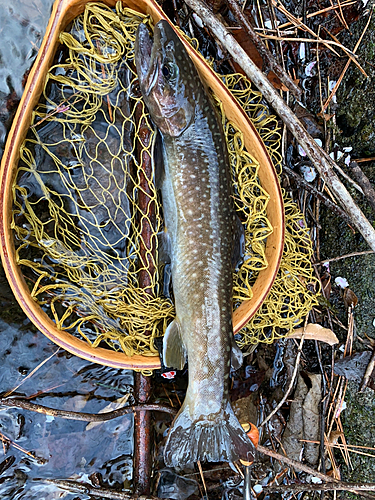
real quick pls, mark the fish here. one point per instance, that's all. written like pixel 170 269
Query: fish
pixel 201 238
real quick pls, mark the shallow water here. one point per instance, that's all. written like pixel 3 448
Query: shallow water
pixel 62 448
pixel 22 26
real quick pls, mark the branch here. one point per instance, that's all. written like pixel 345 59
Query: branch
pixel 300 181
pixel 364 182
pixel 84 417
pixel 293 378
pixel 87 489
pixel 320 159
pixel 296 488
pixel 296 465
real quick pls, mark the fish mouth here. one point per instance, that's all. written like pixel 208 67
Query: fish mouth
pixel 147 55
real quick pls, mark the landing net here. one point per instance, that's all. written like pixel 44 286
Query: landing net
pixel 87 216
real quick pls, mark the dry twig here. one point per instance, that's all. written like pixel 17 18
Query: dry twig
pixel 319 12
pixel 354 254
pixel 292 379
pixel 84 417
pixel 300 181
pixel 309 470
pixel 299 24
pixel 296 488
pixel 269 60
pixel 334 90
pixel 364 182
pixel 31 373
pixel 87 489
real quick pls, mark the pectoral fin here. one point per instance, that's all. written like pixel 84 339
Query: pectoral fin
pixel 174 352
pixel 158 161
pixel 236 357
pixel 238 242
pixel 164 248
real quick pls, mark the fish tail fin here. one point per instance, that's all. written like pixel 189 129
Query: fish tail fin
pixel 215 438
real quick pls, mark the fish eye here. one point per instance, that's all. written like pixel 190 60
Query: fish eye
pixel 170 71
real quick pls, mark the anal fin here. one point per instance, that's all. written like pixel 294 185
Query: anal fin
pixel 174 352
pixel 236 356
pixel 164 248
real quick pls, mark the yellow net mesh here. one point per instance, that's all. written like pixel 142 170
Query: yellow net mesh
pixel 86 215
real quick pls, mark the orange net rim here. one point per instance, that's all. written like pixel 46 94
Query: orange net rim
pixel 64 11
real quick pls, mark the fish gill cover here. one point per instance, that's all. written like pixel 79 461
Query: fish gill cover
pixel 78 195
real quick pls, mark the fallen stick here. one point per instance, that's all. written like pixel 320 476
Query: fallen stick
pixel 296 488
pixel 364 182
pixel 296 465
pixel 87 489
pixel 320 159
pixel 305 468
pixel 300 181
pixel 353 254
pixel 85 417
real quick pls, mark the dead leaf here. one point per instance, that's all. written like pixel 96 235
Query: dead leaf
pixel 353 367
pixel 250 49
pixel 309 121
pixel 116 405
pixel 314 331
pixel 310 414
pixel 248 46
pixel 303 423
pixel 350 298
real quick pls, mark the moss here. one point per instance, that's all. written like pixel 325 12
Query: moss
pixel 359 424
pixel 355 127
pixel 338 239
pixel 356 94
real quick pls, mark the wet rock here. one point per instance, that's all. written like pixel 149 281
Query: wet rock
pixel 171 485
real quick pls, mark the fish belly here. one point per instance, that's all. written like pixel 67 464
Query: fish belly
pixel 199 220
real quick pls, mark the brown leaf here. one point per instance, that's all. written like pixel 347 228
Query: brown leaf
pixel 350 298
pixel 248 46
pixel 309 121
pixel 303 423
pixel 250 49
pixel 314 331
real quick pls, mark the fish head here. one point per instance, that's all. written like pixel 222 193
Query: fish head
pixel 166 76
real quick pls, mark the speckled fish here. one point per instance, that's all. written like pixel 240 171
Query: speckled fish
pixel 200 225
